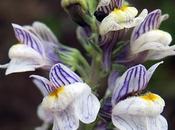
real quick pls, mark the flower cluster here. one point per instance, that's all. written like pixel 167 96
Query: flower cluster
pixel 103 89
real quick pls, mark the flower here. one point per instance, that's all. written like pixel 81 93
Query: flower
pixel 137 112
pixel 115 17
pixel 35 50
pixel 66 99
pixel 147 38
pixel 120 16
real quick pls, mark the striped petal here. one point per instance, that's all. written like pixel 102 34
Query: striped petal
pixel 87 107
pixel 105 7
pixel 133 80
pixel 152 21
pixel 60 75
pixel 43 84
pixel 28 38
pixel 65 120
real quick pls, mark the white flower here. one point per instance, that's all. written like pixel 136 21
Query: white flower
pixel 66 99
pixel 137 112
pixel 35 50
pixel 147 38
pixel 121 17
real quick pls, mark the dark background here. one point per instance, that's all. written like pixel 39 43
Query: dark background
pixel 19 98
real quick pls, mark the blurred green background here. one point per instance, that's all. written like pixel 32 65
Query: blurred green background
pixel 19 98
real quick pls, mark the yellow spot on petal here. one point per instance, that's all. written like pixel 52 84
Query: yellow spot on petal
pixel 150 97
pixel 57 92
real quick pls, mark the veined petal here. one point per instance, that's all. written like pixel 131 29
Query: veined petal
pixel 60 75
pixel 28 38
pixel 66 120
pixel 43 84
pixel 152 21
pixel 129 122
pixel 120 19
pixel 44 32
pixel 151 70
pixel 105 7
pixel 157 55
pixel 87 107
pixel 45 115
pixel 62 97
pixel 149 104
pixel 133 80
pixel 24 58
pixel 153 40
pixel 139 113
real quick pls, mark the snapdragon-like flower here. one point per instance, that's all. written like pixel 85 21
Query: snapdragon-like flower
pixel 137 112
pixel 147 38
pixel 36 49
pixel 67 99
pixel 120 16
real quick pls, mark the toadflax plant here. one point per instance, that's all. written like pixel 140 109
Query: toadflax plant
pixel 103 88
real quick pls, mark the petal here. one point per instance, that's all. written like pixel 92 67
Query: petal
pixel 152 21
pixel 152 40
pixel 28 38
pixel 118 19
pixel 133 80
pixel 151 70
pixel 140 113
pixel 60 75
pixel 129 122
pixel 105 7
pixel 45 115
pixel 149 104
pixel 87 107
pixel 43 84
pixel 157 55
pixel 66 120
pixel 44 32
pixel 24 58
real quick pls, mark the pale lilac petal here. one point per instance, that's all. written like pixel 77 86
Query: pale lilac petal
pixel 44 32
pixel 151 70
pixel 87 107
pixel 152 21
pixel 28 38
pixel 43 84
pixel 133 80
pixel 60 75
pixel 65 120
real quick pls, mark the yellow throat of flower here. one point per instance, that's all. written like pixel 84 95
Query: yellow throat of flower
pixel 57 92
pixel 122 9
pixel 150 97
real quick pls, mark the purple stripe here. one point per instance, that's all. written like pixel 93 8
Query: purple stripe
pixel 55 81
